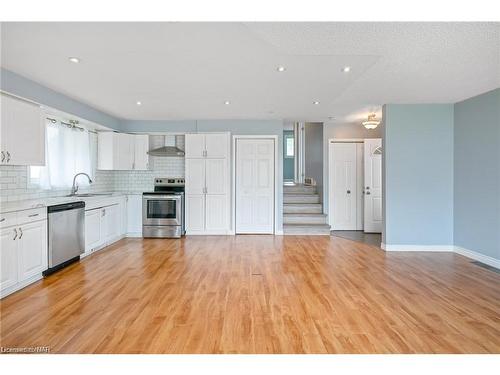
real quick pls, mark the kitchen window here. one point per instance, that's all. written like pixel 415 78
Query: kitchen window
pixel 67 152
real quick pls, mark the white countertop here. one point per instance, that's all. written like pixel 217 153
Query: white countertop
pixel 45 202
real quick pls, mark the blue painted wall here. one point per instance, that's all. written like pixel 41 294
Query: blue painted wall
pixel 477 174
pixel 418 178
pixel 25 88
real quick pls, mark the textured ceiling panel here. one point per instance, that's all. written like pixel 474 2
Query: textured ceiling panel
pixel 188 70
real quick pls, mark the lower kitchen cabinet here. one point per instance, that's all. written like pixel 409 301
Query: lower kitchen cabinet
pixel 8 259
pixel 23 255
pixel 103 226
pixel 32 249
pixel 134 215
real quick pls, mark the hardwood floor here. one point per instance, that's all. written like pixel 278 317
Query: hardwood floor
pixel 258 294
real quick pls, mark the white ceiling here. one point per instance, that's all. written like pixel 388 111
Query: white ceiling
pixel 188 70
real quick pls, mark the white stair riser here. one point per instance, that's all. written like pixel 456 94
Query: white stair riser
pixel 304 231
pixel 304 219
pixel 306 198
pixel 302 209
pixel 299 190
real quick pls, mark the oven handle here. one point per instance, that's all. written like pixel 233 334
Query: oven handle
pixel 162 197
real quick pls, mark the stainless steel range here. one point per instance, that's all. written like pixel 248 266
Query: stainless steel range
pixel 163 209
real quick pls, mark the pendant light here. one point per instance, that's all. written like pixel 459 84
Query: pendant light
pixel 372 122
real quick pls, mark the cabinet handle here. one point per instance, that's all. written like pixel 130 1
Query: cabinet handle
pixel 103 212
pixel 15 234
pixel 8 156
pixel 21 235
pixel 3 156
pixel 32 215
pixel 2 220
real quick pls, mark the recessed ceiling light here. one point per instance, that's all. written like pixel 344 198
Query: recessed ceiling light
pixel 75 60
pixel 280 68
pixel 346 69
pixel 138 102
pixel 227 102
pixel 316 103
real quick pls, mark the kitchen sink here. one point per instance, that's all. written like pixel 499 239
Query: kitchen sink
pixel 89 195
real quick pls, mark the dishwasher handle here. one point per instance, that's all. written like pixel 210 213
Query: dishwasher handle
pixel 65 207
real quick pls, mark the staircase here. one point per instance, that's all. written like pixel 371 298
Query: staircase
pixel 303 211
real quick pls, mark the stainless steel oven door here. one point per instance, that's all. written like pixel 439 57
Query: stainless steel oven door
pixel 162 209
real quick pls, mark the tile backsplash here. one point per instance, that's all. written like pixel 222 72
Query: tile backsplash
pixel 15 184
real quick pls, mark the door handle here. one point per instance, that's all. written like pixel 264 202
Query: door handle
pixel 348 192
pixel 15 234
pixel 21 235
pixel 367 193
pixel 367 188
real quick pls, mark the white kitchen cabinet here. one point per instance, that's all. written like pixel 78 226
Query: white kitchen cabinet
pixel 195 213
pixel 207 145
pixel 207 183
pixel 113 223
pixel 194 145
pixel 8 258
pixel 22 132
pixel 125 155
pixel 120 151
pixel 134 215
pixel 32 249
pixel 216 217
pixel 23 250
pixel 141 147
pixel 216 145
pixel 195 176
pixel 216 176
pixel 94 229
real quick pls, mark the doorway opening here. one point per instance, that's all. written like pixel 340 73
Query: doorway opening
pixel 355 185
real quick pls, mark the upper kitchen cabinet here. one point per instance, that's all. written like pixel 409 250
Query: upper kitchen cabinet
pixel 120 151
pixel 209 145
pixel 22 132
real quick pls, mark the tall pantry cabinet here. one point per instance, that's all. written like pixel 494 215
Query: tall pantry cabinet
pixel 207 183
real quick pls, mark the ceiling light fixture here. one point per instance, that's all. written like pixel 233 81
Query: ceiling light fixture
pixel 372 122
pixel 227 102
pixel 138 102
pixel 346 69
pixel 280 68
pixel 316 103
pixel 75 60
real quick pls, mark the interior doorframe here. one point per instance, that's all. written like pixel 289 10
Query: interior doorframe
pixel 330 179
pixel 233 179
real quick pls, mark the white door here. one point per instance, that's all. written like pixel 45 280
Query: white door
pixel 194 146
pixel 216 145
pixel 32 249
pixel 255 186
pixel 141 146
pixel 8 258
pixel 94 235
pixel 343 190
pixel 195 213
pixel 23 132
pixel 373 185
pixel 195 176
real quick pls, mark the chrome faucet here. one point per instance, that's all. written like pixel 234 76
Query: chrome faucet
pixel 74 188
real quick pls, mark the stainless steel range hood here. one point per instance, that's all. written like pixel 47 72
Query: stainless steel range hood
pixel 168 149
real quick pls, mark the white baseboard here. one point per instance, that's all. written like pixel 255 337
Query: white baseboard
pixel 278 233
pixel 445 248
pixel 490 261
pixel 134 234
pixel 436 248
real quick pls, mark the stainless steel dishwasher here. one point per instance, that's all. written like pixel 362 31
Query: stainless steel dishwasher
pixel 66 228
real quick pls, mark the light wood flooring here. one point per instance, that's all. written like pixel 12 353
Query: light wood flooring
pixel 258 294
